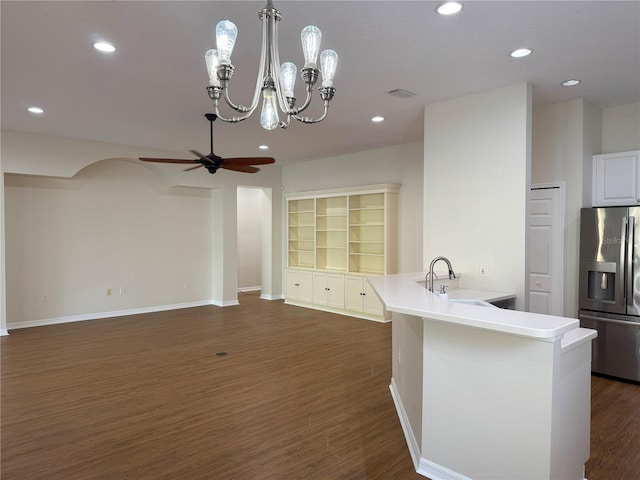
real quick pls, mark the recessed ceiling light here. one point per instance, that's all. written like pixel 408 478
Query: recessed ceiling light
pixel 449 8
pixel 570 83
pixel 264 147
pixel 104 47
pixel 377 119
pixel 521 52
pixel 37 110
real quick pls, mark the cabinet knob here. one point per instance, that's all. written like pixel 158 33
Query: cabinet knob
pixel 297 284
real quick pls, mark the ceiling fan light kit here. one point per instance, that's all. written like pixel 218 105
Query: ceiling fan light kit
pixel 275 82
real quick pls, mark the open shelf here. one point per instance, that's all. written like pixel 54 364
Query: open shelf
pixel 301 233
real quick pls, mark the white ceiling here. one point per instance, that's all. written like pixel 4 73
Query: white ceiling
pixel 151 91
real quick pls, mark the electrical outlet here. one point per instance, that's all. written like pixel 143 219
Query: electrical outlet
pixel 483 270
pixel 187 284
pixel 108 292
pixel 123 290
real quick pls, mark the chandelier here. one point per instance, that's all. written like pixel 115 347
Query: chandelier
pixel 275 81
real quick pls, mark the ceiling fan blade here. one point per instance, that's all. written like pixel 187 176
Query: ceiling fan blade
pixel 166 160
pixel 193 168
pixel 241 168
pixel 249 161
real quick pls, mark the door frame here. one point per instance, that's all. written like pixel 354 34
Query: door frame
pixel 559 239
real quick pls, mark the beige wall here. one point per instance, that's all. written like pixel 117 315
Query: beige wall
pixel 476 178
pixel 565 136
pixel 3 298
pixel 563 140
pixel 49 163
pixel 401 164
pixel 621 128
pixel 249 237
pixel 114 225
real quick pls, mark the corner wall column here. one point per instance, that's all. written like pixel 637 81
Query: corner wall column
pixel 224 271
pixel 3 275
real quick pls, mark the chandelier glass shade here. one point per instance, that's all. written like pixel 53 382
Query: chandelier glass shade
pixel 276 82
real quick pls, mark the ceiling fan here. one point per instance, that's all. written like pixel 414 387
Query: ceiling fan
pixel 213 162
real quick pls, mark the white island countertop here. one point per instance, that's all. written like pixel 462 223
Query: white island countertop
pixel 401 293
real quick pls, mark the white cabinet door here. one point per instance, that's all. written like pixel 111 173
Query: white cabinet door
pixel 616 179
pixel 299 285
pixel 328 289
pixel 372 303
pixel 354 298
pixel 360 297
pixel 321 288
pixel 336 291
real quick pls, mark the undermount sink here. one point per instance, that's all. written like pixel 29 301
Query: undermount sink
pixel 471 301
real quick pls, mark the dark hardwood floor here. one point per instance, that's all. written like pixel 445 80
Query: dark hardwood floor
pixel 300 394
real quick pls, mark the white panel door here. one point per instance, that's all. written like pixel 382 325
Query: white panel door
pixel 546 233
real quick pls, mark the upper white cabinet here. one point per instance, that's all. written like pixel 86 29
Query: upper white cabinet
pixel 616 179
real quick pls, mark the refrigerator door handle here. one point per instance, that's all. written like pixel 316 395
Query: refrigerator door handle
pixel 630 240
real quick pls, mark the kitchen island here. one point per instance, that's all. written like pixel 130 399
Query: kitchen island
pixel 487 393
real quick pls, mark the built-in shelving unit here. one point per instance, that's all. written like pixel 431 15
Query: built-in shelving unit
pixel 346 233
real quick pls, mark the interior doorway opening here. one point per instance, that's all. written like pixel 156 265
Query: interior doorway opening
pixel 254 240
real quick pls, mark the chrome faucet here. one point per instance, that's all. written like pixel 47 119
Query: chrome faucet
pixel 429 276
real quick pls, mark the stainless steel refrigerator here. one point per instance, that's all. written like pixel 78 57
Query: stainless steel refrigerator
pixel 609 296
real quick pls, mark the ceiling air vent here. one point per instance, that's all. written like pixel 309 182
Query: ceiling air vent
pixel 401 93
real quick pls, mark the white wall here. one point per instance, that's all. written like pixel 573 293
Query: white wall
pixel 401 164
pixel 565 136
pixel 249 238
pixel 476 182
pixel 621 128
pixel 3 297
pixel 115 225
pixel 43 157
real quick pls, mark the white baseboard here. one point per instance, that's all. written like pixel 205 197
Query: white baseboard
pixel 422 465
pixel 438 472
pixel 339 311
pixel 249 289
pixel 263 296
pixel 412 443
pixel 228 303
pixel 4 332
pixel 100 315
pixel 271 297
